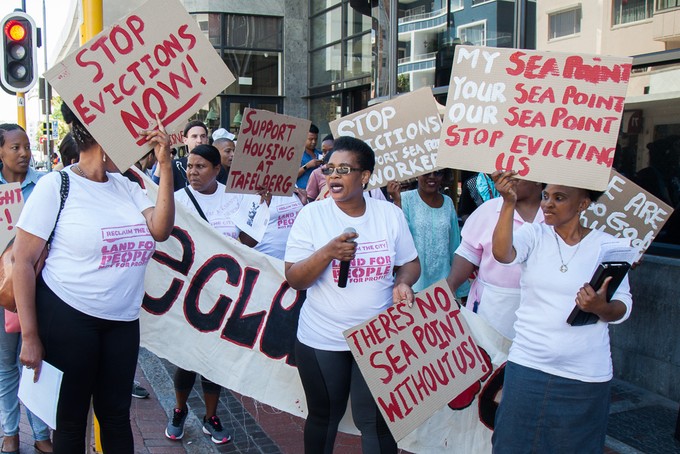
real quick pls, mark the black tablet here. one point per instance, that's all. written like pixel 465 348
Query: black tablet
pixel 617 270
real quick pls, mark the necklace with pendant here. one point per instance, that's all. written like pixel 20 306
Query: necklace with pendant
pixel 80 171
pixel 564 268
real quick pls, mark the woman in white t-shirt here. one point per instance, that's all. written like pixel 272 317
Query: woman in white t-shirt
pixel 204 196
pixel 557 378
pixel 82 314
pixel 383 267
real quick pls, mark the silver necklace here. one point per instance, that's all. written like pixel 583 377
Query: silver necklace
pixel 564 268
pixel 80 171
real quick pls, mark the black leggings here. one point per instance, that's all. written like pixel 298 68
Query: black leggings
pixel 329 378
pixel 98 358
pixel 184 381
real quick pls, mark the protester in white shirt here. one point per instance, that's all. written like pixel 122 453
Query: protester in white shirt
pixel 217 207
pixel 82 314
pixel 384 266
pixel 557 379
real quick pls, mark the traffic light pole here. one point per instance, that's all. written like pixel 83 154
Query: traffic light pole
pixel 21 110
pixel 48 100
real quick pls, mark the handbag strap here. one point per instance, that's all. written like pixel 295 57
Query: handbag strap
pixel 63 192
pixel 195 202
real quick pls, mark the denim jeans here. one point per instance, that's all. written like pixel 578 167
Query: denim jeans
pixel 10 370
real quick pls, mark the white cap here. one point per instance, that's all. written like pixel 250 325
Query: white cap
pixel 222 133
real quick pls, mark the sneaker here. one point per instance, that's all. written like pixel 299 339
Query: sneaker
pixel 175 427
pixel 139 391
pixel 213 427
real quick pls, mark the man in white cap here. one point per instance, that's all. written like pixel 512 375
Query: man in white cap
pixel 223 140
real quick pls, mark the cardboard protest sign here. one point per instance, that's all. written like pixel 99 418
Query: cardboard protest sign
pixel 628 211
pixel 268 153
pixel 417 360
pixel 237 318
pixel 403 132
pixel 11 204
pixel 553 117
pixel 154 62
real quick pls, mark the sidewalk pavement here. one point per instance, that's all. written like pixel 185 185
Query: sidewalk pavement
pixel 639 422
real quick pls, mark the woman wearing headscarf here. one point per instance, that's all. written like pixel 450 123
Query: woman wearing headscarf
pixel 81 314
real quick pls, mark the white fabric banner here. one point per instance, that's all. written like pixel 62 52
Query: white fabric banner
pixel 217 307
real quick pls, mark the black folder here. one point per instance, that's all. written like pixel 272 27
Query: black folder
pixel 617 270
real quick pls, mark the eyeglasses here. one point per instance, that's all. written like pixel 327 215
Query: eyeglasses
pixel 342 170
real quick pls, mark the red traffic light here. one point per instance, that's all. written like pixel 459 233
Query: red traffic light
pixel 15 30
pixel 19 59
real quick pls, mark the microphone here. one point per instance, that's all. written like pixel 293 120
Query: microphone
pixel 344 265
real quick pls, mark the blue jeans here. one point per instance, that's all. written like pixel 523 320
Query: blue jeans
pixel 10 372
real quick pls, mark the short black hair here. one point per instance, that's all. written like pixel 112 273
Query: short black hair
pixel 328 137
pixel 594 195
pixel 68 149
pixel 209 153
pixel 361 150
pixel 193 124
pixel 7 127
pixel 313 129
pixel 81 135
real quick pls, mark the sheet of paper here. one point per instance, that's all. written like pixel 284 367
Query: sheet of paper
pixel 618 250
pixel 42 397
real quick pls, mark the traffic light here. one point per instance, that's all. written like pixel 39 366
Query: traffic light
pixel 19 70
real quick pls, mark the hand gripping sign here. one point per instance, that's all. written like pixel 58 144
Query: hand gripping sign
pixel 154 62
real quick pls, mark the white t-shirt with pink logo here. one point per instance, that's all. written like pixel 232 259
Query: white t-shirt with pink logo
pixel 219 207
pixel 282 213
pixel 101 244
pixel 384 242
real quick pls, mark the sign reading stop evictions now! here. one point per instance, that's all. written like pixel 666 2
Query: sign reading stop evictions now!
pixel 155 61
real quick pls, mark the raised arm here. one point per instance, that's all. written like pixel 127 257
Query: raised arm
pixel 461 269
pixel 161 218
pixel 502 248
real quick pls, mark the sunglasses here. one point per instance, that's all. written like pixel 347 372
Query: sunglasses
pixel 342 170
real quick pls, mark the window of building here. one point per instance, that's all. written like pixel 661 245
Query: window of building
pixel 626 11
pixel 474 32
pixel 667 4
pixel 477 2
pixel 564 23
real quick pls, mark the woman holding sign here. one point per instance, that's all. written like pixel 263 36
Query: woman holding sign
pixel 15 154
pixel 352 234
pixel 82 314
pixel 557 378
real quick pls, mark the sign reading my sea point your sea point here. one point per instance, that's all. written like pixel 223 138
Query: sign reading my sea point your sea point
pixel 268 153
pixel 416 360
pixel 155 61
pixel 403 132
pixel 553 117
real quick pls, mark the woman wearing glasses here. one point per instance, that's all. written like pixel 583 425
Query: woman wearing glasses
pixel 383 267
pixel 433 222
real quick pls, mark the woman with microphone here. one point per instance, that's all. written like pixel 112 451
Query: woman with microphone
pixel 383 265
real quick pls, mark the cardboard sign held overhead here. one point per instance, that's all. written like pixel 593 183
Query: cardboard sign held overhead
pixel 155 61
pixel 11 204
pixel 416 360
pixel 628 211
pixel 268 153
pixel 403 133
pixel 553 117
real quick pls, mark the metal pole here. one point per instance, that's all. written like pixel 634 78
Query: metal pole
pixel 520 24
pixel 392 52
pixel 48 99
pixel 21 98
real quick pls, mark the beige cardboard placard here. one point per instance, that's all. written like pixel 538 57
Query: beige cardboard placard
pixel 553 117
pixel 416 360
pixel 268 153
pixel 155 61
pixel 11 204
pixel 628 211
pixel 403 132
